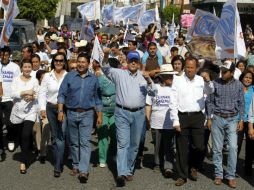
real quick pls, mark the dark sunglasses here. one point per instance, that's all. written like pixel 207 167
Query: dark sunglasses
pixel 59 60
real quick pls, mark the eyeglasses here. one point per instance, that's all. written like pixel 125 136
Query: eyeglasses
pixel 59 60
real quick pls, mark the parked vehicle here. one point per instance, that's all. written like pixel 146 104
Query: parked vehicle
pixel 23 33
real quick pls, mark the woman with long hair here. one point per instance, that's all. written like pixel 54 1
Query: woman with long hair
pixel 48 107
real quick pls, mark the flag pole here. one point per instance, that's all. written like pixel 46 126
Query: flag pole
pixel 181 12
pixel 235 39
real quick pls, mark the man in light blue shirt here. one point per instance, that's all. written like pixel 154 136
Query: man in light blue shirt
pixel 131 89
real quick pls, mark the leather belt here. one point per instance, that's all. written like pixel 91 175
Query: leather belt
pixel 51 105
pixel 189 113
pixel 226 115
pixel 80 110
pixel 130 109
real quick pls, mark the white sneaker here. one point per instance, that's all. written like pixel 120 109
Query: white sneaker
pixel 11 146
pixel 102 165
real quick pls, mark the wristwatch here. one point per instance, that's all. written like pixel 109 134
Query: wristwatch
pixel 59 111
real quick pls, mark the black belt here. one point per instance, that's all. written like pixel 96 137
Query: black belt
pixel 189 113
pixel 80 110
pixel 226 115
pixel 130 109
pixel 51 105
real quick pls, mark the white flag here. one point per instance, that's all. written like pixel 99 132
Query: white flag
pixel 90 10
pixel 97 53
pixel 240 48
pixel 228 36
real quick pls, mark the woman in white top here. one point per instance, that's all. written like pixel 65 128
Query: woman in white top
pixel 48 106
pixel 159 112
pixel 24 110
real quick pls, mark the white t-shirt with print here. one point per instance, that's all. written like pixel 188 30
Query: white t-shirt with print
pixel 160 116
pixel 8 73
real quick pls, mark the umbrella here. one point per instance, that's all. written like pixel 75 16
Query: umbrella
pixel 109 30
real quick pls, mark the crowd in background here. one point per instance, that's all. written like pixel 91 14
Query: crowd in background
pixel 54 94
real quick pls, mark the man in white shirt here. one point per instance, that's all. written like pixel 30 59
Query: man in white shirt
pixel 163 47
pixel 188 92
pixel 8 70
pixel 182 50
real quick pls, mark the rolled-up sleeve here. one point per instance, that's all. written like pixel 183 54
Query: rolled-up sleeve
pixel 62 93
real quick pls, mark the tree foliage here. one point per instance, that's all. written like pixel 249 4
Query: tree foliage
pixel 34 10
pixel 168 13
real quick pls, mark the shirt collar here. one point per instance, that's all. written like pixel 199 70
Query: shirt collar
pixel 133 75
pixel 86 74
pixel 187 78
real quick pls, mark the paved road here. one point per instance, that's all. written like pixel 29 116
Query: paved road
pixel 40 177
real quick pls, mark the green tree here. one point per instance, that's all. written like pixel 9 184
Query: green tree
pixel 34 10
pixel 168 11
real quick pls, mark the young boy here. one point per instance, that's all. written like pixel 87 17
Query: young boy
pixel 159 111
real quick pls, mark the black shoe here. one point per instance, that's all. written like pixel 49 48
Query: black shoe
pixel 57 174
pixel 120 181
pixel 83 177
pixel 42 159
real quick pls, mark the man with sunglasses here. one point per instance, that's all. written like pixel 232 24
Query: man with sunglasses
pixel 131 88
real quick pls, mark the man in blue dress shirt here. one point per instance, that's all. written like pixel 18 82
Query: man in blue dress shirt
pixel 80 94
pixel 131 89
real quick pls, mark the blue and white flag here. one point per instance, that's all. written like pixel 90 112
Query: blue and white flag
pixel 90 10
pixel 97 53
pixel 228 36
pixel 204 24
pixel 107 13
pixel 171 36
pixel 132 13
pixel 146 18
pixel 12 11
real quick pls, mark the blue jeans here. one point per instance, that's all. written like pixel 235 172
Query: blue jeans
pixel 224 128
pixel 57 135
pixel 129 128
pixel 80 129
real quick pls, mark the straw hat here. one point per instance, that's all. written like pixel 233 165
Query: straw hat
pixel 54 37
pixel 167 69
pixel 82 43
pixel 60 40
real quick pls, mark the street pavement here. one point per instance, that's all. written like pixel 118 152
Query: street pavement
pixel 40 176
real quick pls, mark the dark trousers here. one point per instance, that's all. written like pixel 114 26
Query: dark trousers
pixel 241 136
pixel 5 112
pixel 249 155
pixel 164 148
pixel 192 128
pixel 25 131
